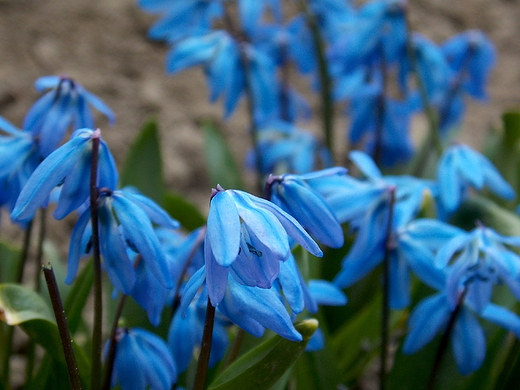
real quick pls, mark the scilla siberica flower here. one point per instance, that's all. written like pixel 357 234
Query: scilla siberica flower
pixel 433 314
pixel 19 157
pixel 67 103
pixel 142 361
pixel 68 166
pixel 247 239
pixel 292 194
pixel 125 222
pixel 460 168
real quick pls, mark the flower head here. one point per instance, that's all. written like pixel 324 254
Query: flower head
pixel 142 361
pixel 66 103
pixel 460 168
pixel 68 166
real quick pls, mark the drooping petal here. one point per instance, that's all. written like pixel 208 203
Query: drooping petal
pixel 468 342
pixel 223 228
pixel 139 231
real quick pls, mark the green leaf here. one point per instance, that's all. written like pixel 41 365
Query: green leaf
pixel 22 306
pixel 264 365
pixel 183 211
pixel 143 164
pixel 221 166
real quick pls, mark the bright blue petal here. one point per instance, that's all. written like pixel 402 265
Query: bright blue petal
pixel 468 342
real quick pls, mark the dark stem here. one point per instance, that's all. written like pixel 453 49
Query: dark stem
pixel 98 291
pixel 380 111
pixel 205 348
pixel 25 251
pixel 39 252
pixel 327 104
pixel 61 319
pixel 109 364
pixel 177 296
pixel 385 308
pixel 443 345
pixel 242 40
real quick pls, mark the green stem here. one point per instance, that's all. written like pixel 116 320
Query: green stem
pixel 205 348
pixel 327 103
pixel 381 110
pixel 98 290
pixel 61 320
pixel 385 308
pixel 235 347
pixel 39 252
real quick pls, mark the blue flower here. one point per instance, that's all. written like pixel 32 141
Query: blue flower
pixel 66 103
pixel 478 261
pixel 19 157
pixel 68 166
pixel 249 237
pixel 433 313
pixel 185 334
pixel 228 65
pixel 125 222
pixel 286 148
pixel 182 19
pixel 460 168
pixel 142 361
pixel 295 196
pixel 471 56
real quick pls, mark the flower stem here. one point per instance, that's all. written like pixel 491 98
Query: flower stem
pixel 205 348
pixel 327 103
pixel 381 109
pixel 39 249
pixel 443 345
pixel 113 344
pixel 385 308
pixel 235 347
pixel 61 320
pixel 98 298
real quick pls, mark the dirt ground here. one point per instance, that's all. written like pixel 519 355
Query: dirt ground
pixel 103 44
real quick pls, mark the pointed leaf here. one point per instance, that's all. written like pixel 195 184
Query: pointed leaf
pixel 221 166
pixel 264 365
pixel 143 164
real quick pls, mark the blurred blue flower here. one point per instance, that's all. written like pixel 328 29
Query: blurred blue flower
pixel 69 167
pixel 433 313
pixel 286 148
pixel 186 331
pixel 461 168
pixel 125 222
pixel 67 103
pixel 181 19
pixel 229 66
pixel 478 261
pixel 292 194
pixel 142 361
pixel 19 157
pixel 471 56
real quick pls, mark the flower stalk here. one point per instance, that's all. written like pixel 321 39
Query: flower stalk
pixel 98 298
pixel 61 320
pixel 205 348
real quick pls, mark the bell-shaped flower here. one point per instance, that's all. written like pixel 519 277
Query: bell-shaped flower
pixel 125 222
pixel 19 157
pixel 478 261
pixel 142 361
pixel 186 331
pixel 181 19
pixel 461 168
pixel 66 104
pixel 295 196
pixel 432 315
pixel 68 166
pixel 471 56
pixel 286 148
